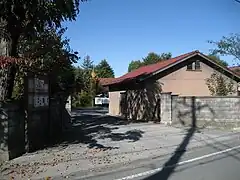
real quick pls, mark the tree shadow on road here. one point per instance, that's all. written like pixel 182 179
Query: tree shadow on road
pixel 132 136
pixel 172 163
pixel 219 147
pixel 90 126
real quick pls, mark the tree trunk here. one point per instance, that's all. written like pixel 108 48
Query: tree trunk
pixel 12 69
pixel 10 80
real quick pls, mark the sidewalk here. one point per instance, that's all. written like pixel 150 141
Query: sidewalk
pixel 123 145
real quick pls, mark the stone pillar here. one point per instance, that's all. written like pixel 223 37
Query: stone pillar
pixel 4 155
pixel 166 108
pixel 68 105
pixel 12 142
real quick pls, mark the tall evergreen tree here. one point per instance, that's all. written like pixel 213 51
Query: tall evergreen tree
pixel 104 70
pixel 151 58
pixel 87 67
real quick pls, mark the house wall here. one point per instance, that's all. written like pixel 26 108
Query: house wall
pixel 114 103
pixel 132 104
pixel 139 104
pixel 188 83
pixel 181 82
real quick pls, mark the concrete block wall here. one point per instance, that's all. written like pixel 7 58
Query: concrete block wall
pixel 38 129
pixel 12 131
pixel 200 111
pixel 205 111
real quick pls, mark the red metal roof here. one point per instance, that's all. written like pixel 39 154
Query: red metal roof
pixel 236 69
pixel 104 81
pixel 146 70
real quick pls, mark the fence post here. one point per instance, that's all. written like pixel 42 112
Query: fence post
pixel 166 108
pixel 174 108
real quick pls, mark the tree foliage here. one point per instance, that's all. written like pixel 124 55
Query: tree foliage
pixel 217 59
pixel 134 65
pixel 47 53
pixel 86 80
pixel 27 20
pixel 81 99
pixel 219 85
pixel 151 58
pixel 87 68
pixel 104 70
pixel 228 45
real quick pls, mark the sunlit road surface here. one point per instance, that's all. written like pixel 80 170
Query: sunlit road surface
pixel 215 161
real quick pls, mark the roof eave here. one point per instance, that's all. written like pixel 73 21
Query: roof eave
pixel 186 58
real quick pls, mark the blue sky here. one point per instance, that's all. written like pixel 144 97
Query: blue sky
pixel 125 30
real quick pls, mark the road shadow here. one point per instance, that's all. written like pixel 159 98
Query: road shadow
pixel 131 136
pixel 219 146
pixel 170 166
pixel 89 126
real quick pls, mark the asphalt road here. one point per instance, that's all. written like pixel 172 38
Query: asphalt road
pixel 215 161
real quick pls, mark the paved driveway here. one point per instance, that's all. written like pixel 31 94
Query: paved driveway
pixel 97 142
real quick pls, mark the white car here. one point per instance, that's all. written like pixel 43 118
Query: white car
pixel 101 100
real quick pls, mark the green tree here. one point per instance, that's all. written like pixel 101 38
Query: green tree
pixel 134 65
pixel 28 19
pixel 81 99
pixel 87 67
pixel 217 59
pixel 85 86
pixel 78 71
pixel 219 85
pixel 48 53
pixel 104 70
pixel 151 58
